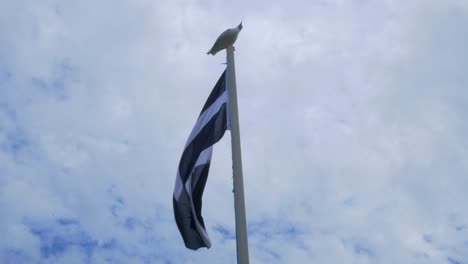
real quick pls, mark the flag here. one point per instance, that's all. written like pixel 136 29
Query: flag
pixel 194 166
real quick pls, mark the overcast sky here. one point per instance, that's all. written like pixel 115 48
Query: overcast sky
pixel 353 115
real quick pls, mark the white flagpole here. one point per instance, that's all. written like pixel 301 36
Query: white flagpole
pixel 239 203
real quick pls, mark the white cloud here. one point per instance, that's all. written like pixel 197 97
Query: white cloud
pixel 353 116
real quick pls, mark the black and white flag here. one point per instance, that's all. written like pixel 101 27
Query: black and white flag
pixel 195 164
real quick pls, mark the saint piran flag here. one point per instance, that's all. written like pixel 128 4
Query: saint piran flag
pixel 194 166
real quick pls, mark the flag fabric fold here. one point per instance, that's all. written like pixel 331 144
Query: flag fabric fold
pixel 194 166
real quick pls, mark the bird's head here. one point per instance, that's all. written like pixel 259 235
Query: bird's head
pixel 240 26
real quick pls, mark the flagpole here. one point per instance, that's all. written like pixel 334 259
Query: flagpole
pixel 239 203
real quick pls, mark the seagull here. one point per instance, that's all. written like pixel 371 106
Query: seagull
pixel 226 39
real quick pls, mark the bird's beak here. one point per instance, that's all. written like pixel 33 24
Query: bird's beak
pixel 240 25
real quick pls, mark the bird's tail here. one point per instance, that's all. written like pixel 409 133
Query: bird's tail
pixel 211 52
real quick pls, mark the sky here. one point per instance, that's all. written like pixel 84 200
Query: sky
pixel 353 117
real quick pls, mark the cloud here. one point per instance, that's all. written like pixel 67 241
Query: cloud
pixel 353 122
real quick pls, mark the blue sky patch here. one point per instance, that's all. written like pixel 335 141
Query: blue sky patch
pixel 15 256
pixel 110 244
pixel 130 223
pixel 427 238
pixel 15 141
pixel 57 237
pixel 225 233
pixel 5 76
pixel 274 228
pixel 67 221
pixel 8 111
pixel 64 74
pixel 363 250
pixel 453 261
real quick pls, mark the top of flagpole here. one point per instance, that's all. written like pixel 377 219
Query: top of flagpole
pixel 226 39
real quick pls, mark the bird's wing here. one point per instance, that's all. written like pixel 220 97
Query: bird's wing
pixel 221 42
pixel 217 46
